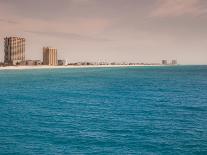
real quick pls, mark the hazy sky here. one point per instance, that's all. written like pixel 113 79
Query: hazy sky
pixel 109 30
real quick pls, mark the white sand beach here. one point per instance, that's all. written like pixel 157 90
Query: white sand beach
pixel 69 66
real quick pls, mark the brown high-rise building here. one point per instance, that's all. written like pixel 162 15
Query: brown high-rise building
pixel 14 50
pixel 49 56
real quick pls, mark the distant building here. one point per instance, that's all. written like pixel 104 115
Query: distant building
pixel 31 63
pixel 49 56
pixel 164 62
pixel 174 62
pixel 14 50
pixel 1 64
pixel 61 62
pixel 37 62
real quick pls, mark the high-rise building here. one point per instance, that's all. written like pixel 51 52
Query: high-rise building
pixel 49 56
pixel 164 62
pixel 174 62
pixel 14 50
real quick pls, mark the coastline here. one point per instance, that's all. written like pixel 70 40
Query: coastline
pixel 70 66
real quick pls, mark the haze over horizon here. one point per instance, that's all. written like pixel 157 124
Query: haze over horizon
pixel 109 30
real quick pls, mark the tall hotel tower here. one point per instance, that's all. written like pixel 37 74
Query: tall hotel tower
pixel 49 56
pixel 14 50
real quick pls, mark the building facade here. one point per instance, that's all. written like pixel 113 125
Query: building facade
pixel 62 62
pixel 14 50
pixel 174 62
pixel 31 63
pixel 164 62
pixel 49 56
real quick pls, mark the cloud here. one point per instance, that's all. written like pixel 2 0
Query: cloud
pixel 80 1
pixel 174 8
pixel 72 36
pixel 8 21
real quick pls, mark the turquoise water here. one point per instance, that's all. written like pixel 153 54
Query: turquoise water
pixel 135 110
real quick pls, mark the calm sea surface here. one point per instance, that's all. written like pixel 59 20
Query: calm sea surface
pixel 134 110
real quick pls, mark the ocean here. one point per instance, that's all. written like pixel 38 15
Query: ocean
pixel 126 110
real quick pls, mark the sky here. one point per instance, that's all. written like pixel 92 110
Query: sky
pixel 109 30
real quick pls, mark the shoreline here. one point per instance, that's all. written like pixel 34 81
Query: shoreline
pixel 70 66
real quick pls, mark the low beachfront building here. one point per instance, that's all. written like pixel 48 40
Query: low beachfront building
pixel 164 62
pixel 174 62
pixel 31 63
pixel 62 62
